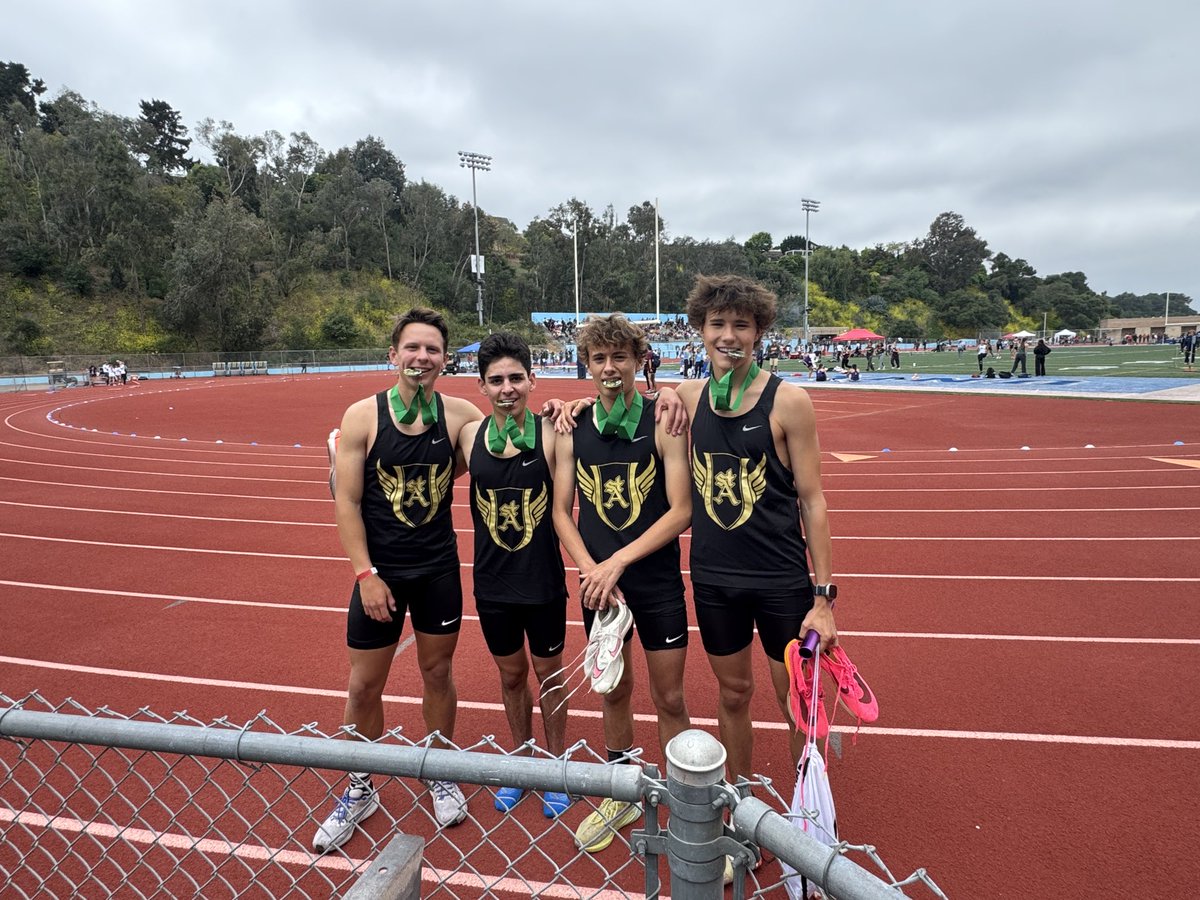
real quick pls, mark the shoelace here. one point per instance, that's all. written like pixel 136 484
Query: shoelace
pixel 441 789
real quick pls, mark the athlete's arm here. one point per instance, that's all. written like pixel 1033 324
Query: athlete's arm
pixel 794 415
pixel 600 583
pixel 564 503
pixel 358 426
pixel 466 440
pixel 670 409
pixel 459 413
pixel 548 444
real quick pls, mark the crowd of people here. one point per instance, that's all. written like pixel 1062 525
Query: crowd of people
pixel 614 481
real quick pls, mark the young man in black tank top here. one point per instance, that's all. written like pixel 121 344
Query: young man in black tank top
pixel 395 469
pixel 634 501
pixel 754 456
pixel 519 578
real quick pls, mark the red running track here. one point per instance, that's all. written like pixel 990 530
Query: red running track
pixel 1024 605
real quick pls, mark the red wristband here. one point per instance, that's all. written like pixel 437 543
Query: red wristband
pixel 363 576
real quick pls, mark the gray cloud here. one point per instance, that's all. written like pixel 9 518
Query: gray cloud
pixel 1062 132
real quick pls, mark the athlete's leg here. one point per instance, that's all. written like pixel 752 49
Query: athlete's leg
pixel 364 696
pixel 618 709
pixel 553 702
pixel 665 668
pixel 782 685
pixel 439 700
pixel 518 699
pixel 735 688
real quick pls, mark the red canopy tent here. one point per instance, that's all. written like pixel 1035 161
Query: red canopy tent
pixel 858 334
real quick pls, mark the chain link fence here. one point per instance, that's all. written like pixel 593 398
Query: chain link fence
pixel 95 803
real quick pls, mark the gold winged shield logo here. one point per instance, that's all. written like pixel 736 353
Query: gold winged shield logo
pixel 729 487
pixel 616 490
pixel 510 516
pixel 416 492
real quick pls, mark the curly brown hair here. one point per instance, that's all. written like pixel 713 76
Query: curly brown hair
pixel 610 331
pixel 717 293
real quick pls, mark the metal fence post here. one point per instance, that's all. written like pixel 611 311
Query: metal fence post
pixel 695 767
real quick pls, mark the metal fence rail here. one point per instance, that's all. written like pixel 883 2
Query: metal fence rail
pixel 98 804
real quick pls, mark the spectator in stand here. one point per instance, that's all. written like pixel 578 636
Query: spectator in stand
pixel 1040 352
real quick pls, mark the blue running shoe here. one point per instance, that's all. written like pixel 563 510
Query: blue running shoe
pixel 554 804
pixel 507 798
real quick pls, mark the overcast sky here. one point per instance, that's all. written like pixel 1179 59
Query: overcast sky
pixel 1065 132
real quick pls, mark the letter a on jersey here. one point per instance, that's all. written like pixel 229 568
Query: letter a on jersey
pixel 416 492
pixel 616 490
pixel 510 516
pixel 728 487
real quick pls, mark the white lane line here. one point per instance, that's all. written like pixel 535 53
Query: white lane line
pixel 161 515
pixel 169 460
pixel 142 472
pixel 596 714
pixel 351 866
pixel 840 511
pixel 974 511
pixel 178 599
pixel 1023 472
pixel 141 490
pixel 1002 490
pixel 183 842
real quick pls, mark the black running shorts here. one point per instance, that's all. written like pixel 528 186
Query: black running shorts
pixel 727 617
pixel 435 603
pixel 506 626
pixel 661 623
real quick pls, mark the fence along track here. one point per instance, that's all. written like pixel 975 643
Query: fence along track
pixel 95 803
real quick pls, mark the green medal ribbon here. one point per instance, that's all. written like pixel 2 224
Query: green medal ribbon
pixel 522 439
pixel 621 420
pixel 719 388
pixel 406 415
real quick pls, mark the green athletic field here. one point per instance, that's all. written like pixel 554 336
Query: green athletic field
pixel 1154 360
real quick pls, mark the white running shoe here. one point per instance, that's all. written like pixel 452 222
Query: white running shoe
pixel 449 804
pixel 355 805
pixel 602 661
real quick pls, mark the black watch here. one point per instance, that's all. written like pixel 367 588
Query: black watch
pixel 829 591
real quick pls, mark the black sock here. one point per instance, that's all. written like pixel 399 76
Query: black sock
pixel 360 780
pixel 615 756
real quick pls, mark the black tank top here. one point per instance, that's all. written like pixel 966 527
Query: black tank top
pixel 517 557
pixel 745 518
pixel 408 486
pixel 622 492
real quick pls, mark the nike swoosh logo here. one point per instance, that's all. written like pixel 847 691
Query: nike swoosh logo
pixel 642 438
pixel 750 427
pixel 451 621
pixel 437 440
pixel 674 639
pixel 527 462
pixel 557 646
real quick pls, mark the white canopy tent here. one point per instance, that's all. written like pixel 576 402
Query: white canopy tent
pixel 1065 333
pixel 1024 334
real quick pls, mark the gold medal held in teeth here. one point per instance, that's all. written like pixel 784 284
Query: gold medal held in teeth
pixel 414 373
pixel 735 354
pixel 612 383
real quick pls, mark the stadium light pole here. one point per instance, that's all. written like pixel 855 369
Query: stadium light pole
pixel 575 254
pixel 476 162
pixel 809 206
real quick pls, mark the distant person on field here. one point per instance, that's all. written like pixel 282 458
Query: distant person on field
pixel 981 353
pixel 1018 357
pixel 1040 352
pixel 1187 344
